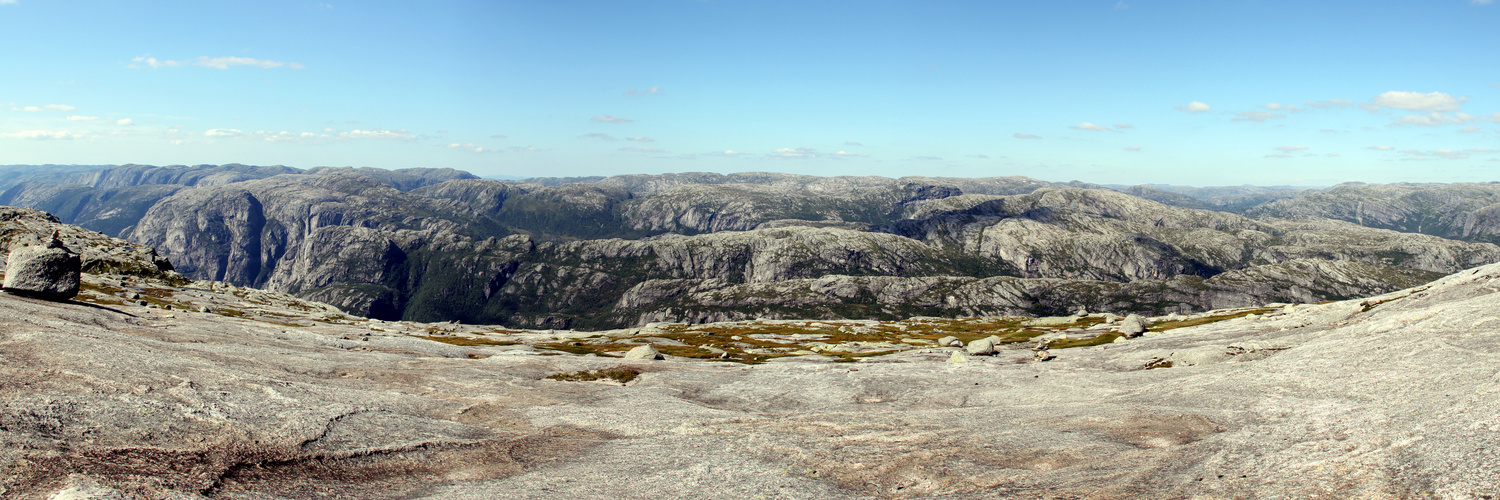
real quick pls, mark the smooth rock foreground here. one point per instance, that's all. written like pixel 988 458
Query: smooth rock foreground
pixel 1395 396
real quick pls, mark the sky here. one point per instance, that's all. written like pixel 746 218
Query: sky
pixel 1206 92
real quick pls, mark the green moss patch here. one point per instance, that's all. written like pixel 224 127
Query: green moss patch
pixel 621 374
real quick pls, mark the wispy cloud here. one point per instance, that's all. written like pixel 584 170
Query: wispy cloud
pixel 847 154
pixel 470 147
pixel 1419 101
pixel 1434 119
pixel 1330 104
pixel 47 135
pixel 48 107
pixel 1276 106
pixel 852 143
pixel 1255 116
pixel 1481 2
pixel 1123 125
pixel 1382 148
pixel 124 122
pixel 80 118
pixel 1133 148
pixel 1447 154
pixel 498 136
pixel 650 91
pixel 611 119
pixel 602 137
pixel 1288 149
pixel 1278 155
pixel 643 150
pixel 1469 129
pixel 1020 135
pixel 390 135
pixel 7 2
pixel 211 62
pixel 640 139
pixel 1193 107
pixel 794 153
pixel 223 132
pixel 1090 126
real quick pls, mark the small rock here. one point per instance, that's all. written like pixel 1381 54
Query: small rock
pixel 204 309
pixel 949 341
pixel 958 357
pixel 1133 326
pixel 1042 355
pixel 46 271
pixel 141 303
pixel 981 347
pixel 643 352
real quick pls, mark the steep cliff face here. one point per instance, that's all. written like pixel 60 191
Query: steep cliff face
pixel 437 245
pixel 1467 211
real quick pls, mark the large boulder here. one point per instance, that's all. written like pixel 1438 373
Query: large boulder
pixel 1133 326
pixel 43 270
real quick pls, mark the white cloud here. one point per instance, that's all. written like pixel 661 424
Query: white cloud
pixel 1133 148
pixel 1194 107
pixel 1255 116
pixel 498 136
pixel 927 158
pixel 1020 135
pixel 1330 104
pixel 125 122
pixel 1278 155
pixel 650 91
pixel 78 118
pixel 643 150
pixel 1123 125
pixel 610 119
pixel 640 139
pixel 213 62
pixel 852 143
pixel 1418 101
pixel 1435 119
pixel 1381 148
pixel 1276 106
pixel 7 2
pixel 1090 126
pixel 1289 149
pixel 46 135
pixel 602 137
pixel 1469 129
pixel 223 132
pixel 847 154
pixel 1333 154
pixel 49 107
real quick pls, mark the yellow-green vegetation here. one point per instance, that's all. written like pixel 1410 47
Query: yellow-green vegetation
pixel 1089 342
pixel 621 374
pixel 1170 325
pixel 469 341
pixel 758 341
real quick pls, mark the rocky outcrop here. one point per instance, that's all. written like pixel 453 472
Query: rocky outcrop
pixel 44 269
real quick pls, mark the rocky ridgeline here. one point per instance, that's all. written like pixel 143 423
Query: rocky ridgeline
pixel 629 250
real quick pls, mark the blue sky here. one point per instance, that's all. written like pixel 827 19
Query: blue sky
pixel 1135 91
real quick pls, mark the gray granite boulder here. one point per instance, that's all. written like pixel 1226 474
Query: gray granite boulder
pixel 47 270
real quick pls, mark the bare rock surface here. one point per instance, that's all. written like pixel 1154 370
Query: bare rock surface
pixel 270 396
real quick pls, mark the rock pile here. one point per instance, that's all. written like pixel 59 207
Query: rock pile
pixel 44 270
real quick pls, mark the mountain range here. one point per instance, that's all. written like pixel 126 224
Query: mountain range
pixel 441 244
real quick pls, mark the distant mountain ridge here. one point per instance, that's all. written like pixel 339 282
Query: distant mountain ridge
pixel 441 244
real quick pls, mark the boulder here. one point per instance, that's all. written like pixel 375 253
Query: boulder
pixel 643 352
pixel 48 271
pixel 1133 326
pixel 981 347
pixel 949 341
pixel 958 357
